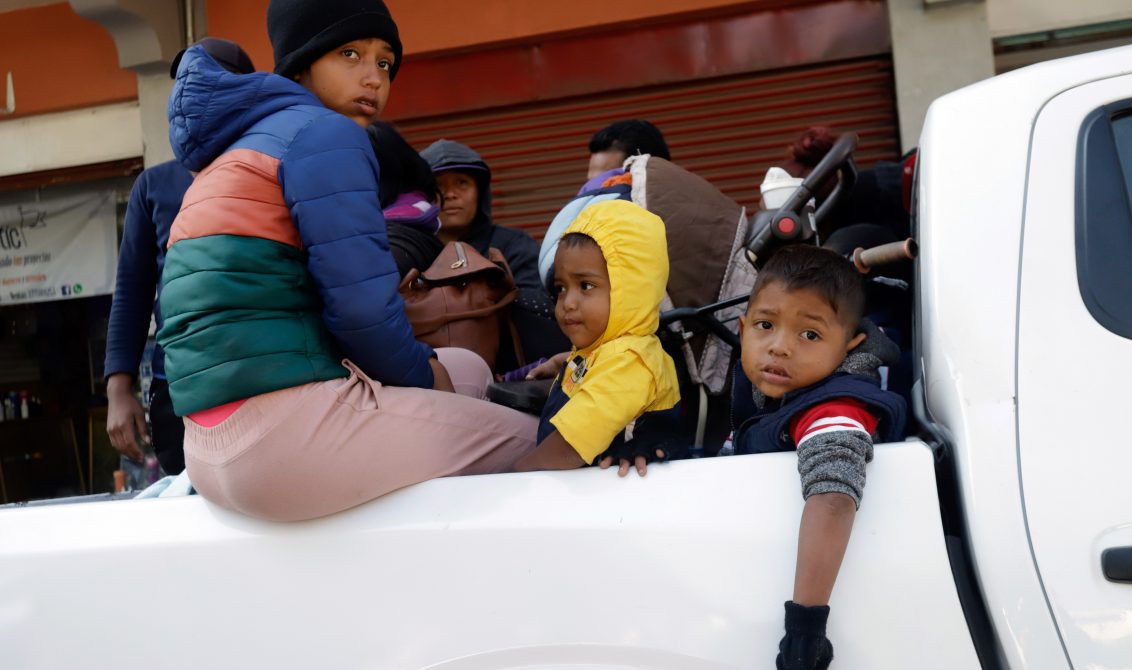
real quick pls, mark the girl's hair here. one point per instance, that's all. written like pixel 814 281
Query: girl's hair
pixel 402 168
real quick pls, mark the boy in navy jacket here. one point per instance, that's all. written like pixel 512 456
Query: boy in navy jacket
pixel 810 383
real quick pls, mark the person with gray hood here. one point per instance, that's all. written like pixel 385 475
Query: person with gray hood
pixel 465 190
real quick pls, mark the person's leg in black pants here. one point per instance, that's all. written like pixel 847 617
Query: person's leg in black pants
pixel 168 429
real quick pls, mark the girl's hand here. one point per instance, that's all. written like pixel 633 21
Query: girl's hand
pixel 440 379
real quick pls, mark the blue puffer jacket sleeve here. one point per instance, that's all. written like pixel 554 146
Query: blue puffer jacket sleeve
pixel 329 177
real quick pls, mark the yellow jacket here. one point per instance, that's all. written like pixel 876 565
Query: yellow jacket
pixel 626 372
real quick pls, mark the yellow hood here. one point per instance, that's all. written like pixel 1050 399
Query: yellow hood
pixel 627 371
pixel 636 256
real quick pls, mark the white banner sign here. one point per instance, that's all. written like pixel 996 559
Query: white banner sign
pixel 58 249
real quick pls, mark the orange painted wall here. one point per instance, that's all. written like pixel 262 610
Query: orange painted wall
pixel 443 25
pixel 429 26
pixel 243 22
pixel 60 61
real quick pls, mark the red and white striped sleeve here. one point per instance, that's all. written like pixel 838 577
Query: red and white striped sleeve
pixel 835 415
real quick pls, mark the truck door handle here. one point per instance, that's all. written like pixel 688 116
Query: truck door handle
pixel 1116 562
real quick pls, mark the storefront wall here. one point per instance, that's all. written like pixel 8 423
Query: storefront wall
pixel 730 84
pixel 75 133
pixel 73 104
pixel 442 26
pixel 60 61
pixel 938 48
pixel 52 398
pixel 728 130
pixel 730 93
pixel 1031 31
pixel 1019 17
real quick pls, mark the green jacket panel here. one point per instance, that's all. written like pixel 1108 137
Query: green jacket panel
pixel 242 317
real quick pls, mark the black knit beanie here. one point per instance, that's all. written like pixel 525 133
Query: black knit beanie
pixel 302 31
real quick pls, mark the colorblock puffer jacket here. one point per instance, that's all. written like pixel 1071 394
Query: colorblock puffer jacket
pixel 279 262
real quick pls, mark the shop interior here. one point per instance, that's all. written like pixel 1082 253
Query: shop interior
pixel 53 440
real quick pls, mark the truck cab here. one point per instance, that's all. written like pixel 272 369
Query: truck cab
pixel 1025 299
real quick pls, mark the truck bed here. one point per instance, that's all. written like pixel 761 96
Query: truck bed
pixel 686 568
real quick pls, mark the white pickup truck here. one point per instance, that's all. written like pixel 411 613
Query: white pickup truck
pixel 996 538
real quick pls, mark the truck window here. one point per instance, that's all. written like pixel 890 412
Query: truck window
pixel 1104 216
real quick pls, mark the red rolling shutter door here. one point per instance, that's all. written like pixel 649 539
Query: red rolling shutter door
pixel 728 130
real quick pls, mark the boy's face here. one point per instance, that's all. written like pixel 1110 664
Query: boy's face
pixel 353 79
pixel 581 284
pixel 792 339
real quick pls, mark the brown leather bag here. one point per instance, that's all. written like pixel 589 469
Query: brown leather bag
pixel 462 300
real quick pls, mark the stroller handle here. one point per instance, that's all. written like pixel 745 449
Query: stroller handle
pixel 867 259
pixel 839 161
pixel 706 316
pixel 864 259
pixel 767 229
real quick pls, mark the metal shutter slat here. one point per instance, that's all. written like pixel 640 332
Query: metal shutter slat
pixel 727 130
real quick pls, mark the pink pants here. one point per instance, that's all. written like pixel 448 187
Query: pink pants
pixel 323 447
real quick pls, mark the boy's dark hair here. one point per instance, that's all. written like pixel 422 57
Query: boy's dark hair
pixel 402 168
pixel 631 137
pixel 833 277
pixel 576 240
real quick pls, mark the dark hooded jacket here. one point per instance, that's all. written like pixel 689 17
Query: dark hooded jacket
pixel 520 249
pixel 154 203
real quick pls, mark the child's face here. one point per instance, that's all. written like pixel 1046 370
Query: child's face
pixel 581 283
pixel 792 339
pixel 353 79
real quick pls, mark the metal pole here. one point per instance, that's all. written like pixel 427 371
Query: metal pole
pixel 190 25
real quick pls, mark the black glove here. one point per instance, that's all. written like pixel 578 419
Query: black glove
pixel 633 448
pixel 805 646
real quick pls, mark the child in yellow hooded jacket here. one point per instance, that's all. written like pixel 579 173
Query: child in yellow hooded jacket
pixel 610 275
